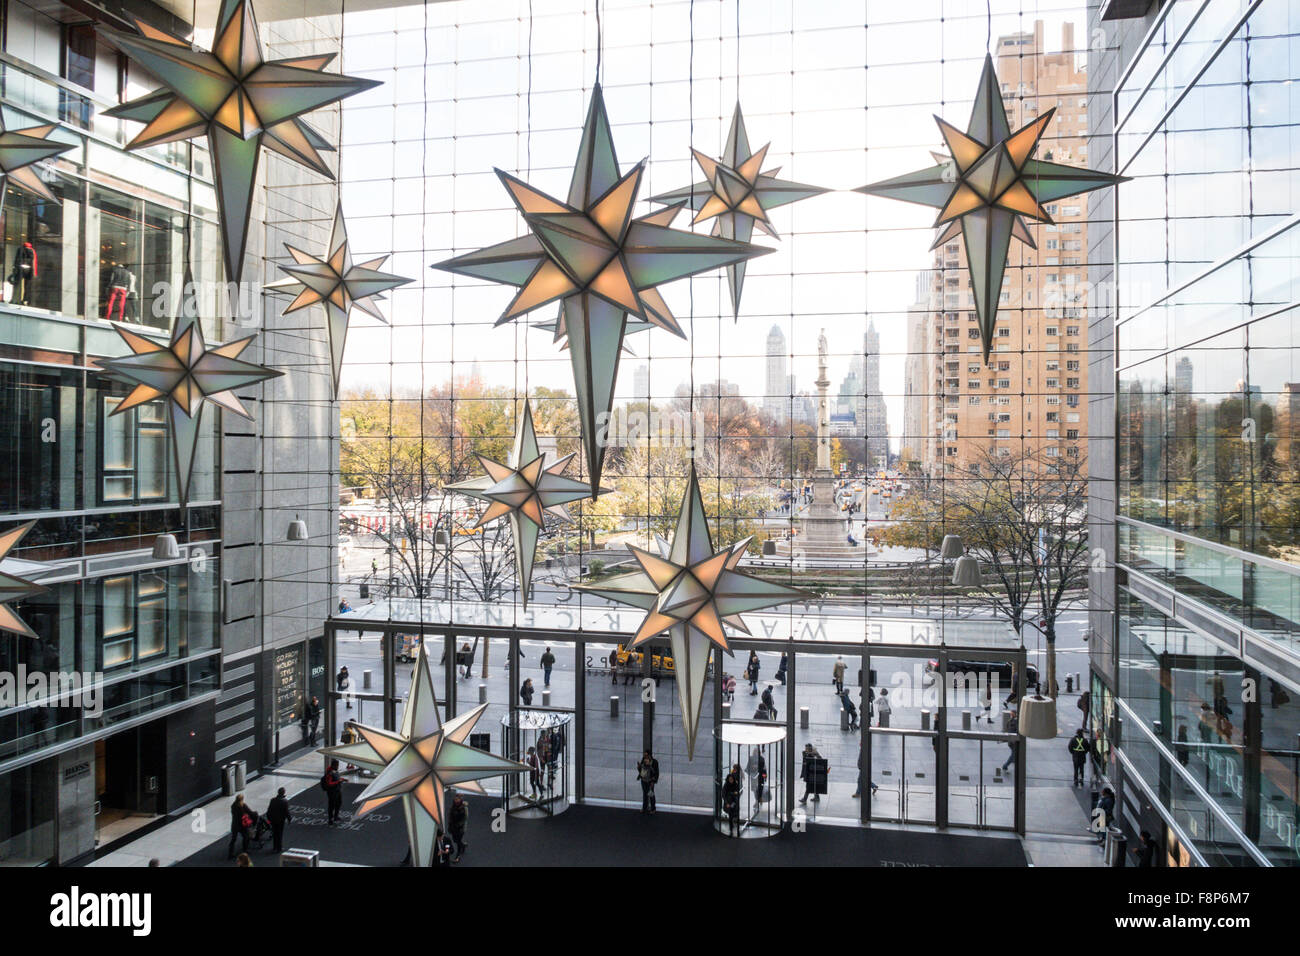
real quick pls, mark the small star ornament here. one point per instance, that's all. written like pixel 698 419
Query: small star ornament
pixel 421 761
pixel 188 375
pixel 736 194
pixel 524 491
pixel 239 100
pixel 20 150
pixel 600 263
pixel 988 189
pixel 12 586
pixel 337 283
pixel 691 591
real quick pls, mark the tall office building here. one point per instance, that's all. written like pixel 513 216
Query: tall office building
pixel 1029 398
pixel 1195 651
pixel 918 447
pixel 641 382
pixel 778 383
pixel 873 421
pixel 200 659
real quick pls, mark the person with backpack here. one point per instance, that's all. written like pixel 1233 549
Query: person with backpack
pixel 277 814
pixel 457 821
pixel 241 825
pixel 548 662
pixel 332 783
pixel 1079 746
pixel 647 772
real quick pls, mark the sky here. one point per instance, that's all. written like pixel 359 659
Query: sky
pixel 842 106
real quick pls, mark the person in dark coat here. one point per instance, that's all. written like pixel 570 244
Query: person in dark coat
pixel 277 814
pixel 769 703
pixel 1145 850
pixel 443 849
pixel 457 821
pixel 647 772
pixel 548 662
pixel 310 721
pixel 1079 746
pixel 751 673
pixel 783 667
pixel 526 692
pixel 332 782
pixel 1106 808
pixel 241 825
pixel 808 773
pixel 731 788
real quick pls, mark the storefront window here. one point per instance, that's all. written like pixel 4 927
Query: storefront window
pixel 40 419
pixel 41 247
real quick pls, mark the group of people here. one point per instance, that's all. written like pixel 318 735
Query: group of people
pixel 246 824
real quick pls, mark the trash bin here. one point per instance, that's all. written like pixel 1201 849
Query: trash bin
pixel 228 779
pixel 1116 847
pixel 803 718
pixel 241 774
pixel 365 592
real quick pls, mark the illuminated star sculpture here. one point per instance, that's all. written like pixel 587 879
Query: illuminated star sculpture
pixel 524 491
pixel 238 99
pixel 737 194
pixel 420 761
pixel 990 184
pixel 13 587
pixel 20 150
pixel 691 592
pixel 337 283
pixel 188 374
pixel 599 262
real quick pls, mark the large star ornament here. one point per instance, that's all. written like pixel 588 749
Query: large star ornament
pixel 599 262
pixel 14 587
pixel 188 375
pixel 990 184
pixel 419 762
pixel 736 194
pixel 238 99
pixel 337 283
pixel 524 491
pixel 690 592
pixel 20 150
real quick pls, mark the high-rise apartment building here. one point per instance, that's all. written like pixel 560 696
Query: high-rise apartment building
pixel 1030 397
pixel 778 383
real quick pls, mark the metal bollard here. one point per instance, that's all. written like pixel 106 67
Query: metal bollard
pixel 965 720
pixel 365 680
pixel 1069 683
pixel 726 710
pixel 803 717
pixel 925 720
pixel 844 719
pixel 482 693
pixel 613 706
pixel 546 698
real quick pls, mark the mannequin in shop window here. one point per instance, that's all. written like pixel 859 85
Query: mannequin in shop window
pixel 121 290
pixel 23 275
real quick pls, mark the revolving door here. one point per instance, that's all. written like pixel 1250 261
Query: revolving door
pixel 749 799
pixel 540 739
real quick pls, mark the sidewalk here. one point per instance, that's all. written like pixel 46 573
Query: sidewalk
pixel 1056 812
pixel 210 823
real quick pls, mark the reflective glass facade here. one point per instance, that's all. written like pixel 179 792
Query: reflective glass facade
pixel 1207 237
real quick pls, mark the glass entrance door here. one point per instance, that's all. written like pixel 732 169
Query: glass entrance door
pixel 903 771
pixel 980 793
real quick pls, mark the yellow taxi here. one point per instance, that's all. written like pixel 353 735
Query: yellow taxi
pixel 661 659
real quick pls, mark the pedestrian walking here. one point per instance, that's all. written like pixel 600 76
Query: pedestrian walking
pixel 731 789
pixel 241 825
pixel 883 707
pixel 647 772
pixel 526 692
pixel 277 814
pixel 1013 727
pixel 1079 746
pixel 332 783
pixel 837 675
pixel 1104 814
pixel 813 773
pixel 783 667
pixel 548 661
pixel 534 763
pixel 310 721
pixel 751 672
pixel 342 681
pixel 457 821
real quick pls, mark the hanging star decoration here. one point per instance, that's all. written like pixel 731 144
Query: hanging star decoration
pixel 736 195
pixel 419 762
pixel 20 150
pixel 691 592
pixel 13 587
pixel 337 283
pixel 599 262
pixel 188 375
pixel 988 189
pixel 524 491
pixel 237 98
